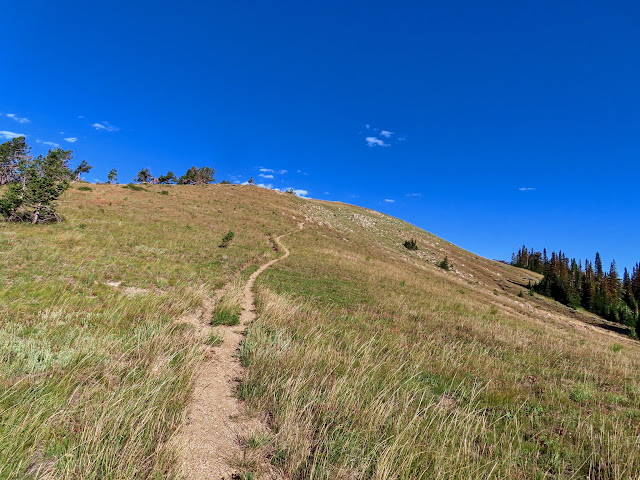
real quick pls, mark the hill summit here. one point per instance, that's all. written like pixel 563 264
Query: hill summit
pixel 365 359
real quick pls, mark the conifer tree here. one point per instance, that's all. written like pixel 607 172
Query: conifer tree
pixel 36 186
pixel 112 176
pixel 144 176
pixel 84 167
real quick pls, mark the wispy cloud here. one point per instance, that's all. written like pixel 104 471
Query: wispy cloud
pixel 9 135
pixel 80 116
pixel 389 200
pixel 382 138
pixel 50 144
pixel 413 195
pixel 375 142
pixel 526 189
pixel 302 173
pixel 106 126
pixel 18 119
pixel 271 170
pixel 265 176
pixel 71 139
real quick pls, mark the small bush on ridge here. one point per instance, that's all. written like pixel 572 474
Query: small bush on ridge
pixel 411 244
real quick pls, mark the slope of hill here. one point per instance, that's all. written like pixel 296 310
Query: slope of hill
pixel 367 360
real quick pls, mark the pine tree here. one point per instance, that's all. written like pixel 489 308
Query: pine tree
pixel 198 176
pixel 144 176
pixel 37 185
pixel 598 268
pixel 12 153
pixel 112 176
pixel 167 179
pixel 84 167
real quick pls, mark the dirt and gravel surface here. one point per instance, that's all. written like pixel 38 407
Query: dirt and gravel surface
pixel 210 441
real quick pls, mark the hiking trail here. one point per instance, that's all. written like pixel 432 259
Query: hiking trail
pixel 210 440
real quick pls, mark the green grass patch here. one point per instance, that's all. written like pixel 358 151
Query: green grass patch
pixel 214 340
pixel 225 316
pixel 136 188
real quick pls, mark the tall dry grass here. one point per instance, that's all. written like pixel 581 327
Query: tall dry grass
pixel 371 362
pixel 95 366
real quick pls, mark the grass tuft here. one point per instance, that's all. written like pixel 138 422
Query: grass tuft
pixel 224 316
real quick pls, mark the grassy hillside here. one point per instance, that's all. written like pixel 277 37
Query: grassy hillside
pixel 368 360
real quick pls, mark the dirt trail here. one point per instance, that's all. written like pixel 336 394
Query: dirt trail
pixel 210 440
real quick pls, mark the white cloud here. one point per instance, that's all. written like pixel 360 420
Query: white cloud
pixel 271 170
pixel 265 176
pixel 71 139
pixel 326 193
pixel 18 119
pixel 375 142
pixel 386 133
pixel 413 195
pixel 402 139
pixel 80 116
pixel 389 200
pixel 526 189
pixel 105 126
pixel 9 135
pixel 367 126
pixel 50 144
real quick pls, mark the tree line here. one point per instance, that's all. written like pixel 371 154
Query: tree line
pixel 193 176
pixel 35 183
pixel 590 286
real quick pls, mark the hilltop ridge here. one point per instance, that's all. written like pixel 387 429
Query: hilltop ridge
pixel 366 359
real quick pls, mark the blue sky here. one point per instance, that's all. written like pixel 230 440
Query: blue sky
pixel 490 124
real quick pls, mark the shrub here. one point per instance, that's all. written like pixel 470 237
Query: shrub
pixel 227 239
pixel 131 186
pixel 225 316
pixel 444 264
pixel 411 244
pixel 164 192
pixel 85 189
pixel 580 394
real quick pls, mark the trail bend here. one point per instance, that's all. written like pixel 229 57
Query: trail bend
pixel 209 442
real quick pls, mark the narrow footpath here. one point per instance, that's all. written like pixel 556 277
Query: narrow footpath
pixel 210 440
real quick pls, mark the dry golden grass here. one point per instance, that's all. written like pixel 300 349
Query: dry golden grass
pixel 95 370
pixel 374 363
pixel 369 361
